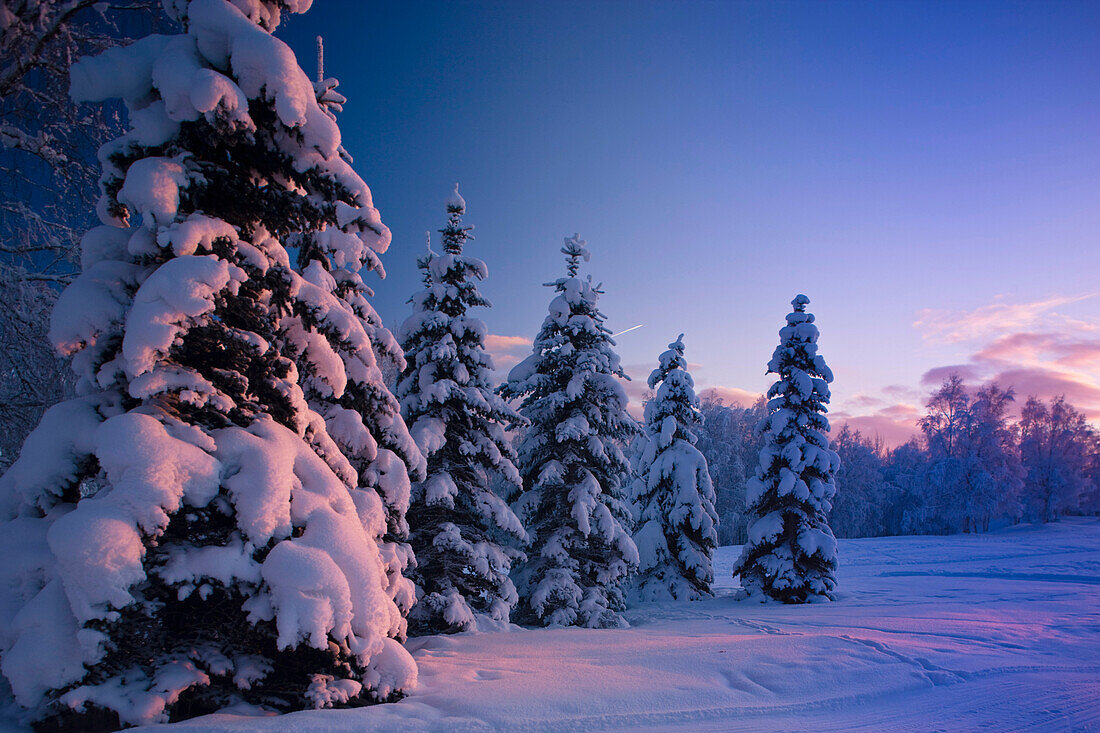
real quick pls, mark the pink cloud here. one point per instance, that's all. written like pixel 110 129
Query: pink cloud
pixel 890 431
pixel 495 342
pixel 1046 383
pixel 933 377
pixel 1015 346
pixel 893 424
pixel 902 412
pixel 955 326
pixel 1030 347
pixel 504 362
pixel 901 392
pixel 1080 354
pixel 1046 364
pixel 864 400
pixel 730 396
pixel 506 351
pixel 636 391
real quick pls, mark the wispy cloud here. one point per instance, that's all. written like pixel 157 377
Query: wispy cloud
pixel 731 395
pixel 864 400
pixel 997 317
pixel 901 392
pixel 1035 348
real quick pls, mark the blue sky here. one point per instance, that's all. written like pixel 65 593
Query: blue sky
pixel 928 173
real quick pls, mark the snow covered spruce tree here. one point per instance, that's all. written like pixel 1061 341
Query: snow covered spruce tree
pixel 206 522
pixel 790 555
pixel 345 382
pixel 677 530
pixel 572 462
pixel 457 522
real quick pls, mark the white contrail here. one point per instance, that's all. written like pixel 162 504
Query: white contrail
pixel 620 333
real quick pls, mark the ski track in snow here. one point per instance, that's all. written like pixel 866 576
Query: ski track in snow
pixel 991 632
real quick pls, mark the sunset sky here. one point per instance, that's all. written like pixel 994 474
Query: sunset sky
pixel 928 173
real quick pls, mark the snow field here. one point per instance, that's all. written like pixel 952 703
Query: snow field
pixel 998 631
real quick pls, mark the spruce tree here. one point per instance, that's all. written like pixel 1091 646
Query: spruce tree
pixel 790 555
pixel 361 414
pixel 204 524
pixel 457 523
pixel 572 462
pixel 677 530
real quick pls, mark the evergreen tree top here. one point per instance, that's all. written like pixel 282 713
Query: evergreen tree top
pixel 797 349
pixel 803 385
pixel 455 202
pixel 669 360
pixel 674 409
pixel 265 13
pixel 424 261
pixel 440 336
pixel 449 277
pixel 455 234
pixel 573 336
pixel 575 248
pixel 799 314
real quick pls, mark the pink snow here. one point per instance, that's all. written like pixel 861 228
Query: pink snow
pixel 994 631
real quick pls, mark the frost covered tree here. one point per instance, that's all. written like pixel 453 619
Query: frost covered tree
pixel 48 168
pixel 1055 443
pixel 32 376
pixel 677 530
pixel 48 173
pixel 973 470
pixel 457 522
pixel 212 519
pixel 859 510
pixel 790 555
pixel 993 477
pixel 572 462
pixel 731 446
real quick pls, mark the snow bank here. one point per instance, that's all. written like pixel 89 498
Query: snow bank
pixel 959 633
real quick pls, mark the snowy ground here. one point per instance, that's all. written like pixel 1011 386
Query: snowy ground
pixel 998 632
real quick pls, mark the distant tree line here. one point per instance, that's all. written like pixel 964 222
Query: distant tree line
pixel 974 466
